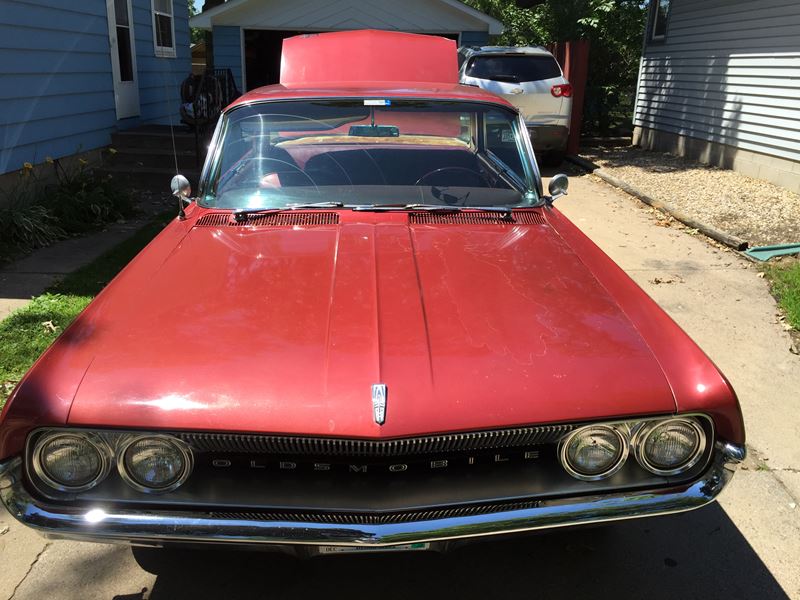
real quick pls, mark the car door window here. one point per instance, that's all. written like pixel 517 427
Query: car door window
pixel 502 141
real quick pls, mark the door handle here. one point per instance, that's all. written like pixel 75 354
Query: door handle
pixel 517 91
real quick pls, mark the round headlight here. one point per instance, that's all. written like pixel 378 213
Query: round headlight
pixel 594 452
pixel 70 462
pixel 154 463
pixel 670 447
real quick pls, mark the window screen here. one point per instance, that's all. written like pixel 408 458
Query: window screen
pixel 658 29
pixel 163 39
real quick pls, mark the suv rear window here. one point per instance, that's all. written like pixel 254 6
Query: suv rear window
pixel 513 68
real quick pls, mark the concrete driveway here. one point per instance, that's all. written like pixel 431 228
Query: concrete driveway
pixel 747 546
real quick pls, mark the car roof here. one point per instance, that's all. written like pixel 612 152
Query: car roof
pixel 360 89
pixel 528 50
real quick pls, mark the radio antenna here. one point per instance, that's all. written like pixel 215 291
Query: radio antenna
pixel 179 185
pixel 171 125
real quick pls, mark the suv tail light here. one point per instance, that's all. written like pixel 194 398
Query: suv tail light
pixel 564 90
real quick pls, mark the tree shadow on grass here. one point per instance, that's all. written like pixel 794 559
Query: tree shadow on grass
pixel 694 555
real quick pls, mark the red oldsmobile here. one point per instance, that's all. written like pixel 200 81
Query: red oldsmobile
pixel 368 329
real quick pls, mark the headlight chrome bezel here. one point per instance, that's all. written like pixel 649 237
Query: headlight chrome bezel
pixel 644 432
pixel 563 449
pixel 183 449
pixel 100 446
pixel 635 431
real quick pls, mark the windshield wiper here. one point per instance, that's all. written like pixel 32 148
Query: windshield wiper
pixel 505 78
pixel 432 208
pixel 297 205
pixel 243 214
pixel 390 207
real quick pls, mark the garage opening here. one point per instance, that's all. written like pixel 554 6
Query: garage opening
pixel 262 54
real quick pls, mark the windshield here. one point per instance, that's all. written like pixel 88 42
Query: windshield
pixel 369 152
pixel 517 68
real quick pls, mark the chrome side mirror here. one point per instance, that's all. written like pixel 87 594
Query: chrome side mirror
pixel 182 190
pixel 558 186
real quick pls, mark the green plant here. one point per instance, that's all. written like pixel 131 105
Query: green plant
pixel 24 223
pixel 785 279
pixel 81 200
pixel 35 212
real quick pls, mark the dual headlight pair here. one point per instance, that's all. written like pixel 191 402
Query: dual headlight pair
pixel 664 447
pixel 76 462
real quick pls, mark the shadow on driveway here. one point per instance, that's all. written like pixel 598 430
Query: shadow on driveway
pixel 695 555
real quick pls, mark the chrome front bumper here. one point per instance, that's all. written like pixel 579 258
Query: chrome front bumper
pixel 160 527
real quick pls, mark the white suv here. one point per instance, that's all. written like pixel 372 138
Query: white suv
pixel 531 79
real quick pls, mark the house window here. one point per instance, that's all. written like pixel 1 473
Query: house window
pixel 163 28
pixel 658 23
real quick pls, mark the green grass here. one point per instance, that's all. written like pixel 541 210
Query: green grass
pixel 27 332
pixel 785 280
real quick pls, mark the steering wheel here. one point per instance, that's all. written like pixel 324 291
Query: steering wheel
pixel 479 177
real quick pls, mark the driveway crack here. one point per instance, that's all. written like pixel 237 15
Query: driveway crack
pixel 760 464
pixel 33 564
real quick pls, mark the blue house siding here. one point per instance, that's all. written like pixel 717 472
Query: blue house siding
pixel 56 87
pixel 56 92
pixel 160 78
pixel 228 51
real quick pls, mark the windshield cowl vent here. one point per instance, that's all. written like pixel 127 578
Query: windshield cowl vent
pixel 477 218
pixel 283 219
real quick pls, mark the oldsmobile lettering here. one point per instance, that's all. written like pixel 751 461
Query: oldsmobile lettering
pixel 399 467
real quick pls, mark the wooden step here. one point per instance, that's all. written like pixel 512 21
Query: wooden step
pixel 155 157
pixel 155 137
pixel 154 178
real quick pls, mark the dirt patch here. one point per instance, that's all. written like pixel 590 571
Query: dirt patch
pixel 754 210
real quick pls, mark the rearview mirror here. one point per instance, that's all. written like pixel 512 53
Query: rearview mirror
pixel 558 186
pixel 182 190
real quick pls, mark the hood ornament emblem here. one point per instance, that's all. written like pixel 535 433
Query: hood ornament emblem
pixel 379 403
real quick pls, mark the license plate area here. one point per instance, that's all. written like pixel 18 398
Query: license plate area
pixel 371 549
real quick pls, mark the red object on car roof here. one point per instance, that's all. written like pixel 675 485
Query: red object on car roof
pixel 367 56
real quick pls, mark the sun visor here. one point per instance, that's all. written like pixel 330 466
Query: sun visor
pixel 361 57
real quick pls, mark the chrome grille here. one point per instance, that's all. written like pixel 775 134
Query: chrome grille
pixel 476 218
pixel 375 518
pixel 283 219
pixel 436 444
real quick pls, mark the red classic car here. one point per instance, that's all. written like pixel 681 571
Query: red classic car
pixel 370 329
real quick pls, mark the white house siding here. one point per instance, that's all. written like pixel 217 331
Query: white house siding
pixel 422 16
pixel 728 73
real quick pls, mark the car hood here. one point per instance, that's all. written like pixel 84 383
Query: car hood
pixel 286 329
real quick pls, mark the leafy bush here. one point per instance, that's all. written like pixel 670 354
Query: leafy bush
pixel 83 201
pixel 24 223
pixel 35 213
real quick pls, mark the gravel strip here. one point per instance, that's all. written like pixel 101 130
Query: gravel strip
pixel 755 210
